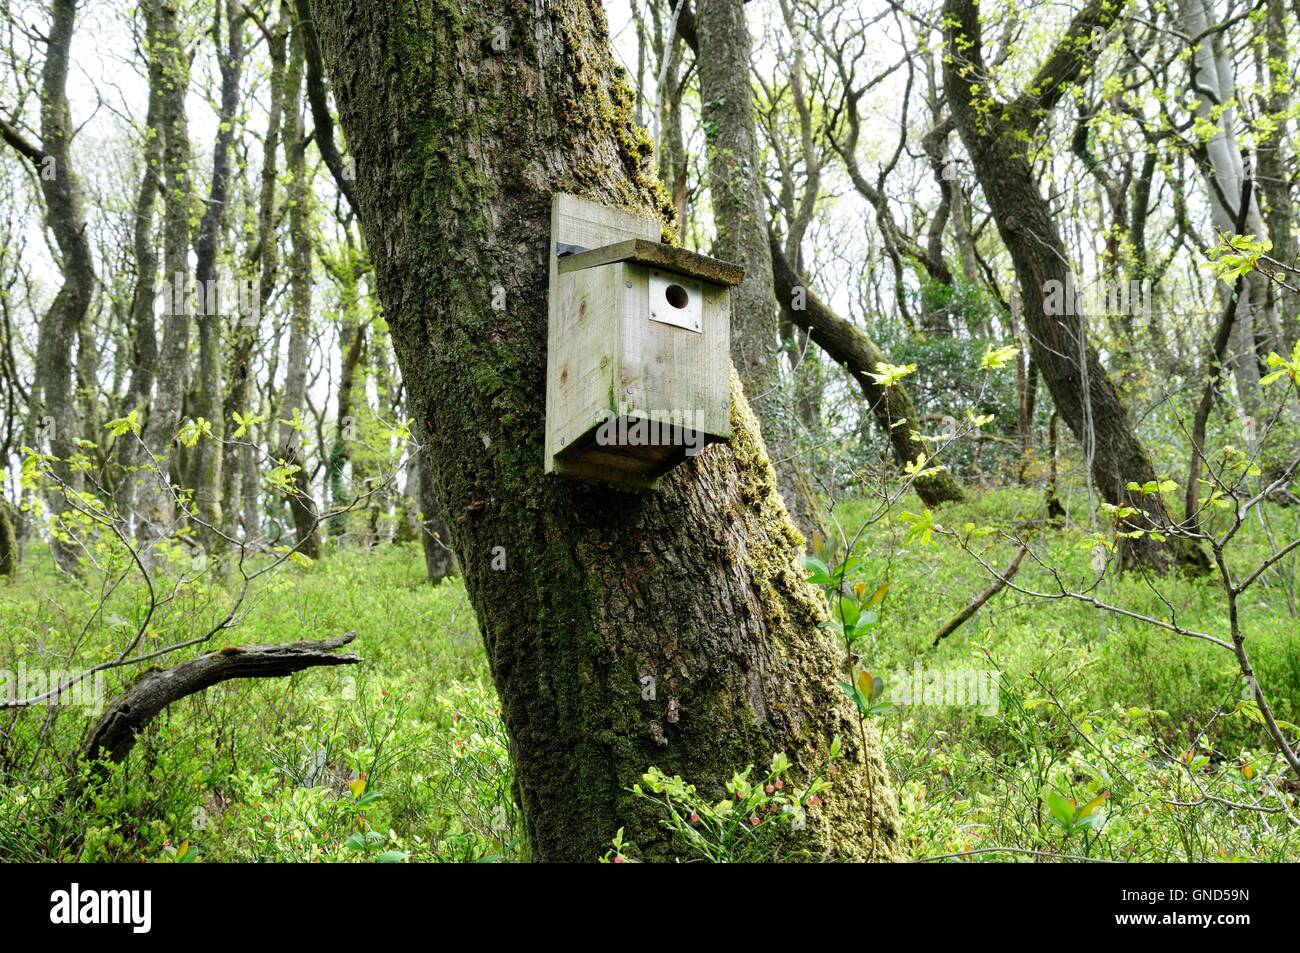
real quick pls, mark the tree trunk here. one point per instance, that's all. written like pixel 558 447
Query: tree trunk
pixel 740 217
pixel 347 271
pixel 1211 79
pixel 53 400
pixel 144 336
pixel 302 506
pixel 239 471
pixel 589 599
pixel 158 509
pixel 8 543
pixel 439 559
pixel 1275 183
pixel 207 397
pixel 670 146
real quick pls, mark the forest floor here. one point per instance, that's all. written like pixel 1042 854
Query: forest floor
pixel 405 756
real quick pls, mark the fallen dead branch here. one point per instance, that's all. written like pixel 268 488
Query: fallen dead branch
pixel 114 735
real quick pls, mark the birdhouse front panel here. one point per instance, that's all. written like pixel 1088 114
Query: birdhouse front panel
pixel 674 373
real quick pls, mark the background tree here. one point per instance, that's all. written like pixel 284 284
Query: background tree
pixel 53 407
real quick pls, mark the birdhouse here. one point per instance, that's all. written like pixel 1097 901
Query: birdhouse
pixel 638 347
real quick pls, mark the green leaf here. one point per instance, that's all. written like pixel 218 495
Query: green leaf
pixel 847 610
pixel 819 574
pixel 1062 811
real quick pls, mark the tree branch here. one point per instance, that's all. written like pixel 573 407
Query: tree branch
pixel 320 110
pixel 999 583
pixel 114 735
pixel 13 135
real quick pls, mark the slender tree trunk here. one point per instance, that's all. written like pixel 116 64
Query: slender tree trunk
pixel 347 271
pixel 1275 181
pixel 207 396
pixel 670 628
pixel 439 560
pixel 301 504
pixel 53 400
pixel 1212 81
pixel 157 509
pixel 670 148
pixel 740 216
pixel 144 335
pixel 9 544
pixel 240 472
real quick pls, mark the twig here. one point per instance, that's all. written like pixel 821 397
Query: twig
pixel 999 583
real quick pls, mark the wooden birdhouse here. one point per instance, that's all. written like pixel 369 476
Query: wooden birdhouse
pixel 638 347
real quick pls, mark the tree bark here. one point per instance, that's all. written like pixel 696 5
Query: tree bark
pixel 157 504
pixel 207 396
pixel 53 400
pixel 439 559
pixel 1212 80
pixel 1275 182
pixel 126 716
pixel 670 147
pixel 8 543
pixel 144 334
pixel 302 505
pixel 587 598
pixel 239 470
pixel 318 98
pixel 346 270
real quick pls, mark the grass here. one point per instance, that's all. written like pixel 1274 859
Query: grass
pixel 404 757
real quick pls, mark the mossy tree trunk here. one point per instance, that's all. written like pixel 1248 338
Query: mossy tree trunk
pixel 239 469
pixel 302 505
pixel 166 411
pixel 144 333
pixel 54 423
pixel 207 393
pixel 8 543
pixel 464 118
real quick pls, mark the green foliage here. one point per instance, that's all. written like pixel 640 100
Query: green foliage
pixel 1110 740
pixel 748 825
pixel 403 757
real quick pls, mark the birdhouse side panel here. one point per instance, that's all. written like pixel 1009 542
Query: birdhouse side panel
pixel 581 223
pixel 582 364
